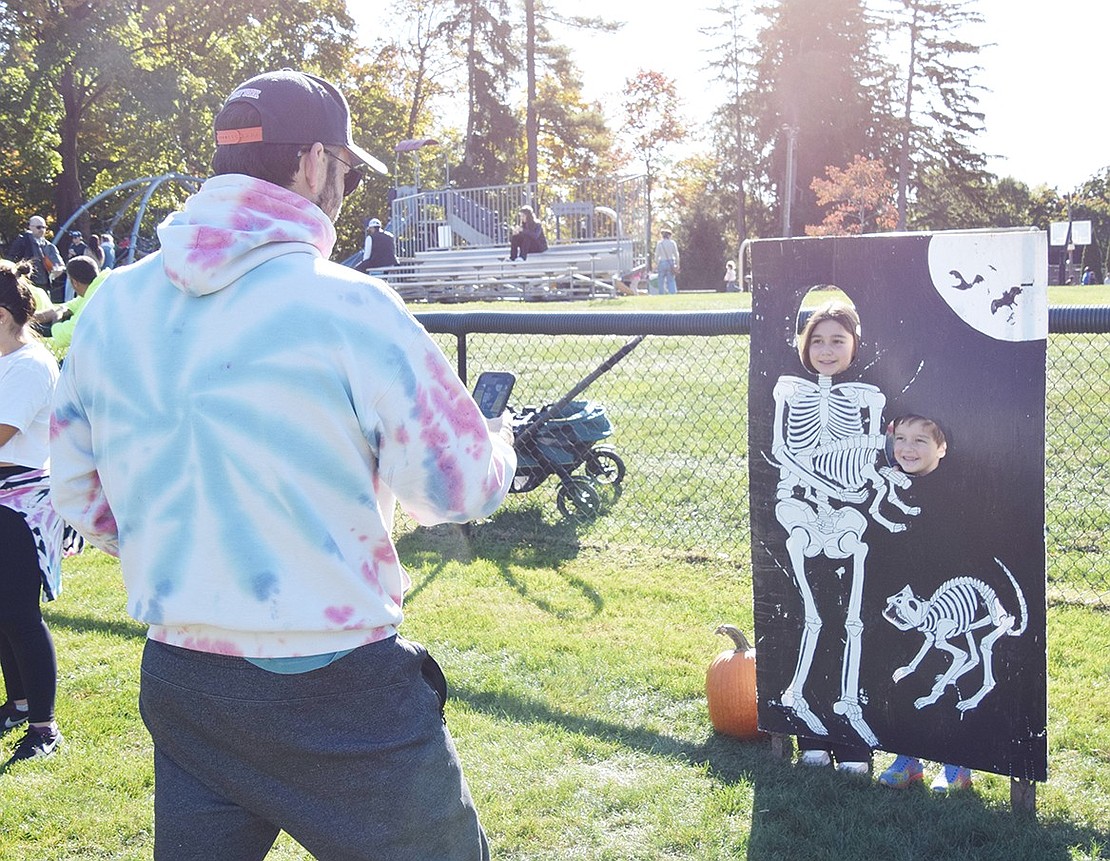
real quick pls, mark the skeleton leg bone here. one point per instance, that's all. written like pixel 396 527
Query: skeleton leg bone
pixel 959 658
pixel 792 697
pixel 848 704
pixel 986 647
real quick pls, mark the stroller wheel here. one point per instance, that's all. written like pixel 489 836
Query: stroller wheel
pixel 578 497
pixel 605 466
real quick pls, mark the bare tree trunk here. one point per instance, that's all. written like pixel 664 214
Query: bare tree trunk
pixel 67 191
pixel 532 121
pixel 907 121
pixel 471 87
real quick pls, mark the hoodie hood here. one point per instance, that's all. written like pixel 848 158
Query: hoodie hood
pixel 233 224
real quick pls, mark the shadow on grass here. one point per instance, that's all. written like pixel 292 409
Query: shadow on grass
pixel 92 624
pixel 513 541
pixel 822 815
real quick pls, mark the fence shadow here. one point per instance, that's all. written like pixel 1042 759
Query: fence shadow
pixel 517 542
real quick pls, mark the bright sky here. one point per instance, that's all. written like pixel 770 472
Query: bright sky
pixel 1045 71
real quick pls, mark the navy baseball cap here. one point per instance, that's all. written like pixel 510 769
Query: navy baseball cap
pixel 296 108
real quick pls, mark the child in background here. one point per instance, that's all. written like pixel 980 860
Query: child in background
pixel 919 444
pixel 730 277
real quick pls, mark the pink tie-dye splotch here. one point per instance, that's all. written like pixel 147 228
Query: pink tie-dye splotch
pixel 339 615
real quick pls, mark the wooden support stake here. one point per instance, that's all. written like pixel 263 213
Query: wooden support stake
pixel 782 746
pixel 1023 796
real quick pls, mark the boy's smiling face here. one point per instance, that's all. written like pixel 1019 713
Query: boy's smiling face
pixel 916 448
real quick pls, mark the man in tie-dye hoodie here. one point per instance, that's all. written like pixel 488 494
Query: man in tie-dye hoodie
pixel 237 419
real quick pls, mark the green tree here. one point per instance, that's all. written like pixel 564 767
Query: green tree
pixel 819 95
pixel 573 140
pixel 109 92
pixel 740 164
pixel 550 68
pixel 424 58
pixel 650 103
pixel 938 113
pixel 122 89
pixel 1091 201
pixel 491 146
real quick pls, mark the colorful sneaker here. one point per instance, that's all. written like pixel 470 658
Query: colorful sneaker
pixel 40 741
pixel 814 758
pixel 861 769
pixel 905 770
pixel 951 778
pixel 11 717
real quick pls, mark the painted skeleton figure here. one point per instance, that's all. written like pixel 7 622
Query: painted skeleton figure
pixel 827 440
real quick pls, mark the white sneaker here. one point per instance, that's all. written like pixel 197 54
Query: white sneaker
pixel 861 768
pixel 814 758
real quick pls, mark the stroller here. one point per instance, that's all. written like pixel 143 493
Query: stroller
pixel 564 441
pixel 559 438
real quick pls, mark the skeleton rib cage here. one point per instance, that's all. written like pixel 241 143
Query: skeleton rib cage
pixel 959 602
pixel 825 425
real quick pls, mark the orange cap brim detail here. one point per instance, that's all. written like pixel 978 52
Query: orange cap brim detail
pixel 239 136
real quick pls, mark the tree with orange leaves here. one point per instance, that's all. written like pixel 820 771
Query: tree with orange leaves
pixel 862 198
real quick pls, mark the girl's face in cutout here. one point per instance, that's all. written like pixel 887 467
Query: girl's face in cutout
pixel 830 348
pixel 916 449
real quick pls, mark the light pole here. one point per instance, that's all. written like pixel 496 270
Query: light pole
pixel 788 190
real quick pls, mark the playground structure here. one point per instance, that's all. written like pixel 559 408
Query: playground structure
pixel 135 198
pixel 453 243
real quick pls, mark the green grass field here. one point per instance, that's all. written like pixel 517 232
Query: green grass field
pixel 577 671
pixel 576 656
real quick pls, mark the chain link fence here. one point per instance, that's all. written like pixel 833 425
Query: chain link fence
pixel 676 404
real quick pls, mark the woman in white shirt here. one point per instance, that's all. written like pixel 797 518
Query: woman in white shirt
pixel 30 530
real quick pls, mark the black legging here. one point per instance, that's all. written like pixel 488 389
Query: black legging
pixel 26 649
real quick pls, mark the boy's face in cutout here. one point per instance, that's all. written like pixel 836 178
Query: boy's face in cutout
pixel 830 348
pixel 916 449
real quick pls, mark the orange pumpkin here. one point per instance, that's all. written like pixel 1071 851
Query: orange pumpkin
pixel 730 687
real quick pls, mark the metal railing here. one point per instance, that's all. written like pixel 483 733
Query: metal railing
pixel 582 210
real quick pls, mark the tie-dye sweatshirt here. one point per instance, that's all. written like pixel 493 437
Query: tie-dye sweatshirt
pixel 237 417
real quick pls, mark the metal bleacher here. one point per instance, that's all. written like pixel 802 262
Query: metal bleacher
pixel 454 243
pixel 578 270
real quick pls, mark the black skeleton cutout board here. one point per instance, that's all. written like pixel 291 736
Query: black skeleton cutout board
pixel 926 630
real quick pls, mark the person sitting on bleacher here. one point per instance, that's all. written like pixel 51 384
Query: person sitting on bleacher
pixel 529 239
pixel 379 252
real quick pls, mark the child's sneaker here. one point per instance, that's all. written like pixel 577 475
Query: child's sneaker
pixel 814 757
pixel 951 778
pixel 40 741
pixel 11 717
pixel 860 769
pixel 904 771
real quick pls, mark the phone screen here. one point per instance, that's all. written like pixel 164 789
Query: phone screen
pixel 492 391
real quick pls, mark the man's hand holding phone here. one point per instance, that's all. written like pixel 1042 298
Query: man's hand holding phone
pixel 491 394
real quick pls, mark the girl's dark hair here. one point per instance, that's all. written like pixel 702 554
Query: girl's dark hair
pixel 276 163
pixel 15 290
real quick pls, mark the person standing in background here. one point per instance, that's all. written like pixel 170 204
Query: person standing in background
pixel 108 246
pixel 30 530
pixel 46 261
pixel 666 262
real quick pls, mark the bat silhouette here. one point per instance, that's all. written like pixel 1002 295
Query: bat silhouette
pixel 962 283
pixel 1006 300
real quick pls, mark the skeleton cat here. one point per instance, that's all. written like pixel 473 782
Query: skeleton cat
pixel 958 607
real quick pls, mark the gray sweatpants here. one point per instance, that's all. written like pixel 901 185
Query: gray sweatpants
pixel 352 760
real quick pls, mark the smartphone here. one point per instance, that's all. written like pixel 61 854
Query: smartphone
pixel 492 391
